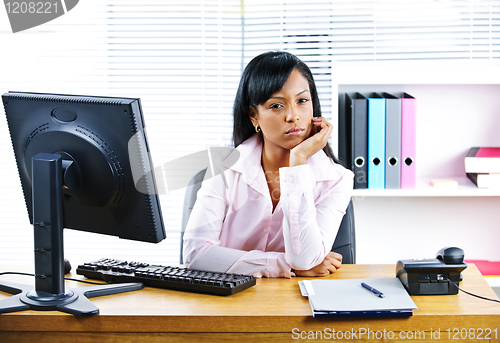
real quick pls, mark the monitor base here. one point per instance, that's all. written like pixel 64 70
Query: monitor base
pixel 74 301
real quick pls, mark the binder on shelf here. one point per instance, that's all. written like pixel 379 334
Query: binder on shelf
pixel 376 141
pixel 348 298
pixel 408 140
pixel 392 141
pixel 345 134
pixel 353 145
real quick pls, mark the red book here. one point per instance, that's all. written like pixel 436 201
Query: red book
pixel 483 160
pixel 489 268
pixel 488 152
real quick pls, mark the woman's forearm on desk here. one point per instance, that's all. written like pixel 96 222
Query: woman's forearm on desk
pixel 310 226
pixel 257 263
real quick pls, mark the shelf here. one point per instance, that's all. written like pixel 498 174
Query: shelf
pixel 423 189
pixel 457 108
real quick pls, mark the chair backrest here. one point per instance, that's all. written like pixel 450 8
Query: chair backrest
pixel 345 242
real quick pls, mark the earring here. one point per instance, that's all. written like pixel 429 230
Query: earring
pixel 257 128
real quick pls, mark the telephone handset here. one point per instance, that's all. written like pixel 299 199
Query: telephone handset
pixel 433 276
pixel 451 255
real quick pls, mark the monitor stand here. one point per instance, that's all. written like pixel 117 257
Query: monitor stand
pixel 49 293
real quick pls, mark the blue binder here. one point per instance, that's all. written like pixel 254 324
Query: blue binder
pixel 376 141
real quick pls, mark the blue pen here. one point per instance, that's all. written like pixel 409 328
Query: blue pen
pixel 373 290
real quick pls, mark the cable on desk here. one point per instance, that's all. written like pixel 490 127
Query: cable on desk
pixel 474 295
pixel 66 278
pixel 85 281
pixel 16 273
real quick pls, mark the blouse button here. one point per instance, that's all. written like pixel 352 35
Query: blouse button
pixel 265 230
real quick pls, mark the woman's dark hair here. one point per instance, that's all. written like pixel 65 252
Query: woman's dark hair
pixel 263 76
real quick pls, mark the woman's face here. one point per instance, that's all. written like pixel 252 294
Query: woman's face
pixel 285 118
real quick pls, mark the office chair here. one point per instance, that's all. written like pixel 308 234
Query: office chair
pixel 345 242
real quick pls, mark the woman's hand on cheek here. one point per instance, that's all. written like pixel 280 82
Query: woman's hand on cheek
pixel 317 141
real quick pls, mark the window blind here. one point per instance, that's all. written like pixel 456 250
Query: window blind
pixel 181 58
pixel 184 60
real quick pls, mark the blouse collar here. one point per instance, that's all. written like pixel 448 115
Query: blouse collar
pixel 249 162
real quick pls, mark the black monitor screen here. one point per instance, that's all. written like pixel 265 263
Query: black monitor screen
pixel 104 139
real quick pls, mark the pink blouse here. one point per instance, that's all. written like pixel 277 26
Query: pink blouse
pixel 233 228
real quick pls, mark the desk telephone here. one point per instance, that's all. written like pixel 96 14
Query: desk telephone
pixel 432 276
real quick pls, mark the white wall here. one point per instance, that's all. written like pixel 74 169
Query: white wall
pixel 389 229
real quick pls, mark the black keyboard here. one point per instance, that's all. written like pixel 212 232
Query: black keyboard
pixel 178 278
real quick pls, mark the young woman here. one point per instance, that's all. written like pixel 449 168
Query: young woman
pixel 277 210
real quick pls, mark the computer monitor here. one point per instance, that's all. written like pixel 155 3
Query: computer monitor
pixel 76 157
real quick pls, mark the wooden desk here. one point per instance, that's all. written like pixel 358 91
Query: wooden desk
pixel 273 310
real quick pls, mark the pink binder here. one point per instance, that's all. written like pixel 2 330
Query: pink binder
pixel 408 140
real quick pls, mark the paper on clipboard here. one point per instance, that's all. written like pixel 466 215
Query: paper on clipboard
pixel 349 296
